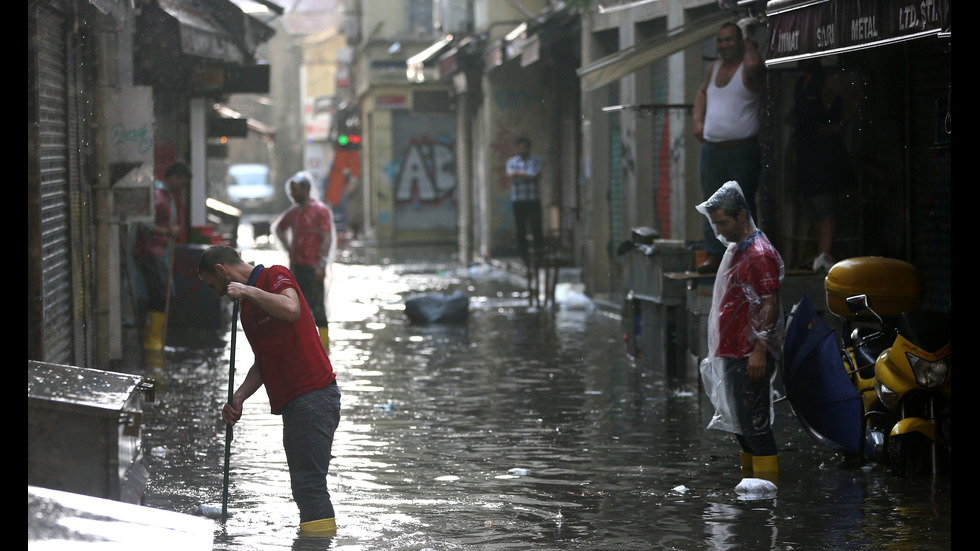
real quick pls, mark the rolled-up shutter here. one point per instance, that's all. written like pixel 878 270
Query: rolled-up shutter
pixel 60 217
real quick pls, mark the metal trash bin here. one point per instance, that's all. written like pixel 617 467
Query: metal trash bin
pixel 653 313
pixel 654 333
pixel 84 431
pixel 193 305
pixel 649 264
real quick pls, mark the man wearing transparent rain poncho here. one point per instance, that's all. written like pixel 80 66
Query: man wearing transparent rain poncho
pixel 745 332
pixel 306 230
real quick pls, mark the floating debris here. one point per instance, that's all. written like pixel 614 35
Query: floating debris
pixel 209 511
pixel 755 488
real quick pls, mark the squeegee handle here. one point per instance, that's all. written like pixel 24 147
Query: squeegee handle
pixel 231 361
pixel 231 395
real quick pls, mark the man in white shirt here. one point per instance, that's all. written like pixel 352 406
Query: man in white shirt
pixel 726 123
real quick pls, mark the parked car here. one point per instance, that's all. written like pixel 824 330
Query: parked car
pixel 250 189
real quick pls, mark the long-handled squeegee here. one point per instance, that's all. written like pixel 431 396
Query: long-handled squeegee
pixel 231 396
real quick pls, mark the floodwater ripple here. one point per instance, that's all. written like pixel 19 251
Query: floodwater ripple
pixel 521 429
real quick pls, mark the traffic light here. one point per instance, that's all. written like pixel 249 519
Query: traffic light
pixel 349 141
pixel 347 129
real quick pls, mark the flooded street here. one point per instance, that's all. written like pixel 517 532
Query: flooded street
pixel 521 429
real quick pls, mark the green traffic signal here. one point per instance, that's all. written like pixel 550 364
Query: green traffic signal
pixel 349 140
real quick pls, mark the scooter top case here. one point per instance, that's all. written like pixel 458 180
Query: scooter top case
pixel 892 286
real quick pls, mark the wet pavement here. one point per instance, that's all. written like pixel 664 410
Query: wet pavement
pixel 521 429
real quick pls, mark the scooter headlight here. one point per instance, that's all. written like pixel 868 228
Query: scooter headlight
pixel 929 374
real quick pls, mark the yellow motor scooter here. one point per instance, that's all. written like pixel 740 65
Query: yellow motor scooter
pixel 898 358
pixel 913 380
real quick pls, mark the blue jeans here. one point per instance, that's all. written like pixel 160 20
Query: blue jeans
pixel 308 425
pixel 753 408
pixel 721 164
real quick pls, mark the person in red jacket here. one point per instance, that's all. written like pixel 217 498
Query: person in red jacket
pixel 306 231
pixel 745 331
pixel 155 249
pixel 293 366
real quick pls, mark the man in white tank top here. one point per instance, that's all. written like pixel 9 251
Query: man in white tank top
pixel 726 123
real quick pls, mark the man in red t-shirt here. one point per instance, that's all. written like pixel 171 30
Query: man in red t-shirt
pixel 745 326
pixel 306 230
pixel 293 365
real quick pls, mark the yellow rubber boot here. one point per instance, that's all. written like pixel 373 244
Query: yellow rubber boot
pixel 324 337
pixel 323 528
pixel 153 331
pixel 746 465
pixel 766 467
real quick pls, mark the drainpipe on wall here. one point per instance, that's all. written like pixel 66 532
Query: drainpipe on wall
pixel 464 178
pixel 108 330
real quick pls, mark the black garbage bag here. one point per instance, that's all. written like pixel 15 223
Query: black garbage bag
pixel 438 308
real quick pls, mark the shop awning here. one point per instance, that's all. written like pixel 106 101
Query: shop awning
pixel 801 29
pixel 255 126
pixel 216 40
pixel 615 66
pixel 218 30
pixel 416 63
pixel 455 58
pixel 199 36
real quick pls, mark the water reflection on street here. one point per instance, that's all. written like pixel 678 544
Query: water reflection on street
pixel 521 429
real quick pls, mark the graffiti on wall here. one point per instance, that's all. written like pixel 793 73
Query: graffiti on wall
pixel 667 161
pixel 426 173
pixel 424 184
pixel 627 158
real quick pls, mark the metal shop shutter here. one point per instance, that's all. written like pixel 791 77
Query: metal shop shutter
pixel 51 61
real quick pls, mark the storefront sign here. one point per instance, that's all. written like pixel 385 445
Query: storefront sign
pixel 394 101
pixel 801 29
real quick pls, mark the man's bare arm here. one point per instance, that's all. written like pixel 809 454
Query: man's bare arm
pixel 282 306
pixel 753 69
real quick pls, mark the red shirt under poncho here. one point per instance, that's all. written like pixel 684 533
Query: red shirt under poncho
pixel 310 224
pixel 753 273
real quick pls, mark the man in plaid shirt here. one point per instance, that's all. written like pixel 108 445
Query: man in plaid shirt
pixel 523 171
